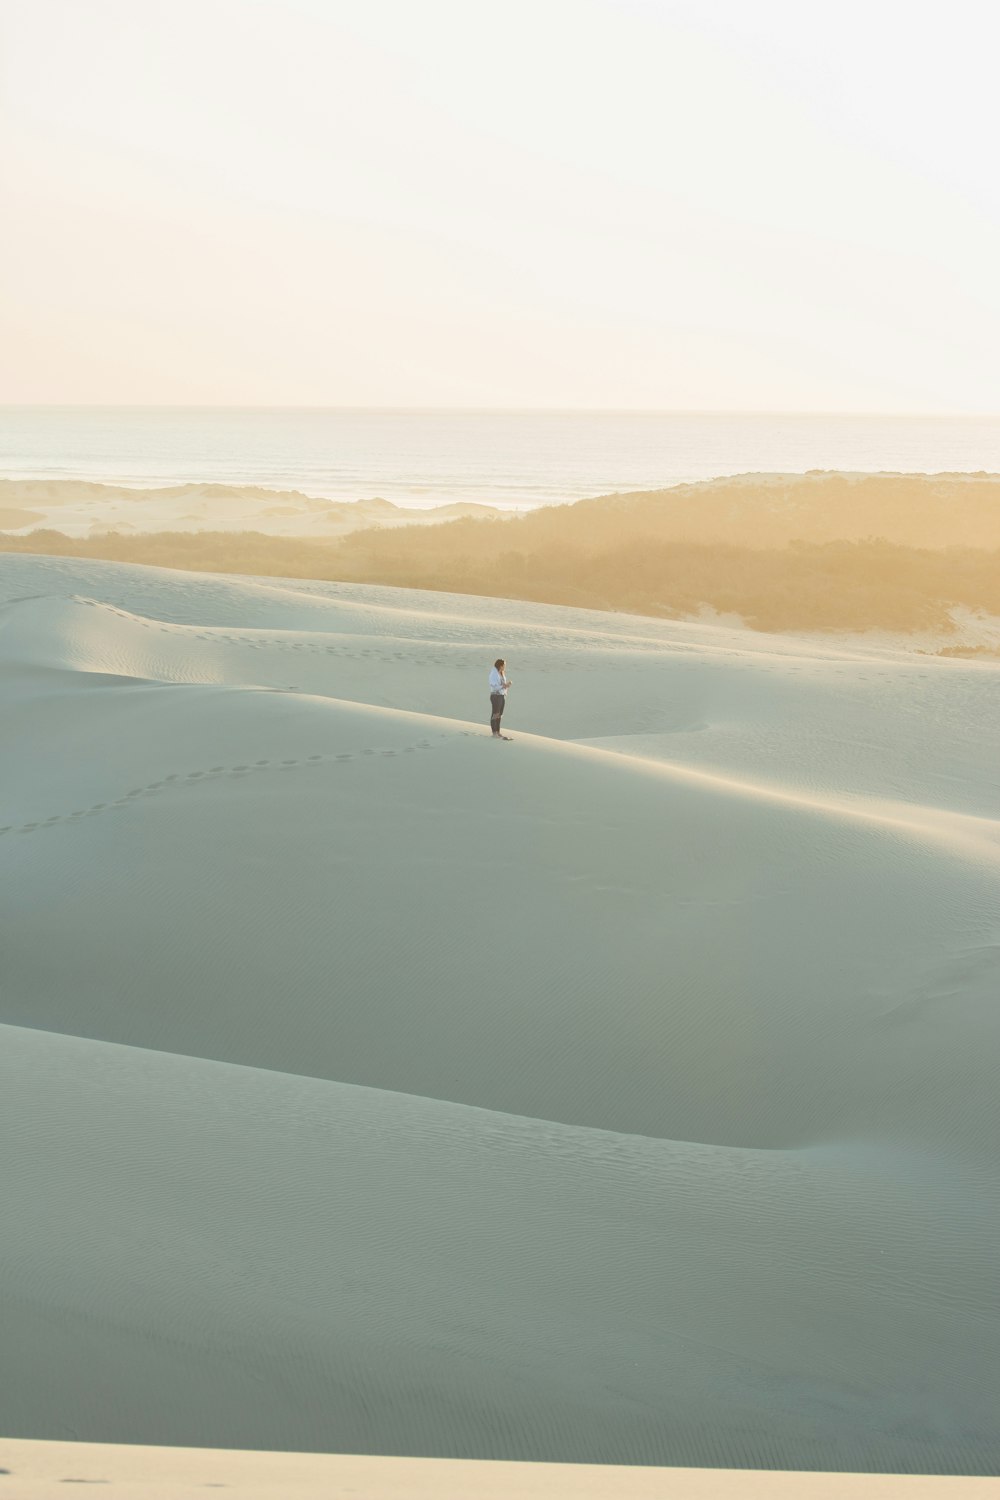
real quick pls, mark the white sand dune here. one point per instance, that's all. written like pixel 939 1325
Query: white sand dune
pixel 79 507
pixel 624 1094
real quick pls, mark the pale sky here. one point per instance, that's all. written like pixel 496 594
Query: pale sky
pixel 657 204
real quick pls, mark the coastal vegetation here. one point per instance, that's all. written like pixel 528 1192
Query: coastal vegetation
pixel 813 552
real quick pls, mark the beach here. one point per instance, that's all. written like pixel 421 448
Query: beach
pixel 622 1094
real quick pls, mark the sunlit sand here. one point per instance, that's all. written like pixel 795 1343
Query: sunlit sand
pixel 624 1094
pixel 78 507
pixel 40 1470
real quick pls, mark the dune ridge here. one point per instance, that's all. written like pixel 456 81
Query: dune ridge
pixel 81 508
pixel 770 510
pixel 755 510
pixel 624 1094
pixel 915 554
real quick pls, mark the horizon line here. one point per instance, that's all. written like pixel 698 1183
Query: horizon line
pixel 611 411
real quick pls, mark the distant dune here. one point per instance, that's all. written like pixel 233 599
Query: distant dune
pixel 752 510
pixel 772 510
pixel 622 1094
pixel 915 554
pixel 783 552
pixel 78 508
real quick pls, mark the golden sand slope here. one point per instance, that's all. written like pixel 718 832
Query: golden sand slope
pixel 770 510
pixel 621 1094
pixel 136 1473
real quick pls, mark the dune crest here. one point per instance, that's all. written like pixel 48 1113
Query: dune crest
pixel 80 508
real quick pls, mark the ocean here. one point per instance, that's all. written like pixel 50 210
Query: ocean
pixel 514 460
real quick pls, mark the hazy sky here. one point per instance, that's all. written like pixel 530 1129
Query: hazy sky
pixel 694 204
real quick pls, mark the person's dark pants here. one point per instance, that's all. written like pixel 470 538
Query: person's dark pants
pixel 497 702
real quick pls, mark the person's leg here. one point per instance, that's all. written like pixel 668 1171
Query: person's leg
pixel 498 703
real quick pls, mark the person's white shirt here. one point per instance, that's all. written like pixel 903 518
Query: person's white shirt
pixel 499 683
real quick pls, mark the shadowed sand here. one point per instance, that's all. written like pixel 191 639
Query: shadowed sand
pixel 625 1094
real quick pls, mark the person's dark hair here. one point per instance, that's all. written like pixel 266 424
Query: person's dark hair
pixel 500 662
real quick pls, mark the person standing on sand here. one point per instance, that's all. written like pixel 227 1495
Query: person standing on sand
pixel 499 683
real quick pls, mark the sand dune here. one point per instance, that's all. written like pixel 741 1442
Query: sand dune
pixel 915 555
pixel 624 1094
pixel 768 510
pixel 135 1473
pixel 758 510
pixel 78 507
